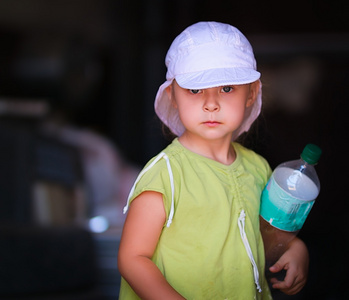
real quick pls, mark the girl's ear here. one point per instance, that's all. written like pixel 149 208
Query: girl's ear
pixel 170 94
pixel 169 91
pixel 254 89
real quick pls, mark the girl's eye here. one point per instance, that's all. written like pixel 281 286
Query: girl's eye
pixel 195 91
pixel 227 89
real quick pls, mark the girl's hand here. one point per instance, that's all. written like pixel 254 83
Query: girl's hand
pixel 295 261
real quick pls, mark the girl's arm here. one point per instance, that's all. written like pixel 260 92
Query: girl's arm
pixel 141 232
pixel 296 262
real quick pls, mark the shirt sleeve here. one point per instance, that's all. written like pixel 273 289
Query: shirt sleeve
pixel 155 179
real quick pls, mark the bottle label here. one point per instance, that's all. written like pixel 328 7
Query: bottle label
pixel 281 209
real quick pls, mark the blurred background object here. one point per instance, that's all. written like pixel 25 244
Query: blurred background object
pixel 77 85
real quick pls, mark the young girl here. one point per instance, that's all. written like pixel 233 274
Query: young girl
pixel 192 229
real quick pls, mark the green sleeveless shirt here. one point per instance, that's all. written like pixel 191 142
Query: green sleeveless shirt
pixel 203 252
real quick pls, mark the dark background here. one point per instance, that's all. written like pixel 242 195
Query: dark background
pixel 98 65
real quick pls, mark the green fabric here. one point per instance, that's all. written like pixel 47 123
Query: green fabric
pixel 201 254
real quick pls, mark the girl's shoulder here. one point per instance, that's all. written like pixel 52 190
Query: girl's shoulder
pixel 247 153
pixel 250 158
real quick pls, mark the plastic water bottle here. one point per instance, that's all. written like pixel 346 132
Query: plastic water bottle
pixel 286 202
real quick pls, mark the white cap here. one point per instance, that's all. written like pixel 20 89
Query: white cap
pixel 205 55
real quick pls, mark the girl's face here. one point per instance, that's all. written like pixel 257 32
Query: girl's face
pixel 212 113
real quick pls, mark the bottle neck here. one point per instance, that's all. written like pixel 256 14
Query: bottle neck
pixel 304 165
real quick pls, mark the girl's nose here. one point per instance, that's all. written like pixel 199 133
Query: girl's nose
pixel 211 105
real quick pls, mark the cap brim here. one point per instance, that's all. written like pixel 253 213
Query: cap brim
pixel 217 77
pixel 166 111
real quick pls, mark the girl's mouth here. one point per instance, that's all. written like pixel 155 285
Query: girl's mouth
pixel 212 123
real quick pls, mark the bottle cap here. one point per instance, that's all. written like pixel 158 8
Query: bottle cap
pixel 311 154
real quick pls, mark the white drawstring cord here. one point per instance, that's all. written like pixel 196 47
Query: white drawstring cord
pixel 161 155
pixel 241 223
pixel 170 217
